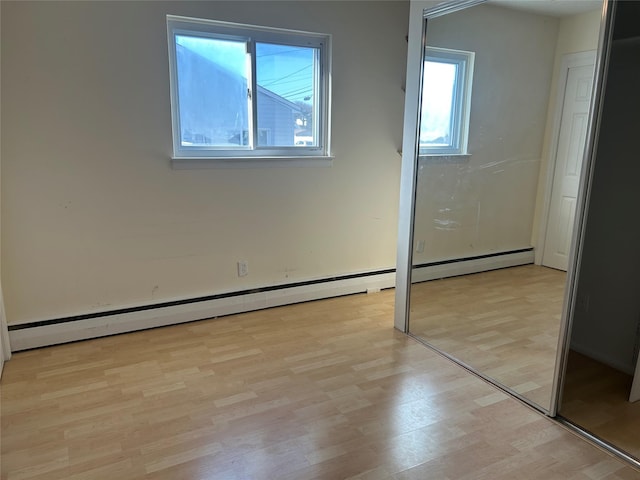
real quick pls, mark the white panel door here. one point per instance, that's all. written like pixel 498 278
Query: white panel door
pixel 568 165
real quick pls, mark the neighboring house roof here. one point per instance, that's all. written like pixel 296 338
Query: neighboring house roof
pixel 280 99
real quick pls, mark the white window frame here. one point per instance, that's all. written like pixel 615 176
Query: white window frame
pixel 462 102
pixel 177 25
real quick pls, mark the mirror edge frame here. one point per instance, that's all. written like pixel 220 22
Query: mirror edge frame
pixel 408 177
pixel 406 207
pixel 408 173
pixel 603 53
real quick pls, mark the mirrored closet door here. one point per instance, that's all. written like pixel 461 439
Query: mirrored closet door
pixel 493 187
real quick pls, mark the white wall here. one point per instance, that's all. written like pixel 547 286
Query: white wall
pixel 605 323
pixel 486 203
pixel 93 216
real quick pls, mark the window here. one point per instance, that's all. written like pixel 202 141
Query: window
pixel 446 99
pixel 240 91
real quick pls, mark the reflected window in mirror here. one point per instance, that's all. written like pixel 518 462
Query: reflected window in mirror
pixel 446 99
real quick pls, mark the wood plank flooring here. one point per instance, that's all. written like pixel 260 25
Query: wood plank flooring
pixel 321 390
pixel 504 323
pixel 595 397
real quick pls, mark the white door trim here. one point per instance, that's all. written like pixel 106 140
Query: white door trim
pixel 4 338
pixel 634 396
pixel 5 347
pixel 569 60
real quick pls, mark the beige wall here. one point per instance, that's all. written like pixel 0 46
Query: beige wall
pixel 485 203
pixel 93 216
pixel 578 33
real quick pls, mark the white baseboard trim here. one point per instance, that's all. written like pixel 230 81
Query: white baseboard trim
pixel 27 336
pixel 100 326
pixel 472 265
pixel 614 363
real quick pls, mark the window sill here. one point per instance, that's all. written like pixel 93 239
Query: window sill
pixel 445 158
pixel 193 163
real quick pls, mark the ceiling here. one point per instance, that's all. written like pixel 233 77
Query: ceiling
pixel 556 8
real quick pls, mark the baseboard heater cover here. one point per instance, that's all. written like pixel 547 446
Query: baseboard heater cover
pixel 55 331
pixel 480 263
pixel 82 327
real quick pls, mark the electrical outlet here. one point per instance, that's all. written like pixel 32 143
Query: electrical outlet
pixel 243 268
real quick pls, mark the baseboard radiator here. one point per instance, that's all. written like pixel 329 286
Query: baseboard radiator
pixel 42 333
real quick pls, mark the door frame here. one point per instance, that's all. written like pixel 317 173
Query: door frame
pixel 569 60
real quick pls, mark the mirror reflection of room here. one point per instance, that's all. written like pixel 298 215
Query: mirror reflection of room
pixel 602 379
pixel 506 97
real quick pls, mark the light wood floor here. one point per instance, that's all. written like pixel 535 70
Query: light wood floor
pixel 322 390
pixel 504 323
pixel 596 397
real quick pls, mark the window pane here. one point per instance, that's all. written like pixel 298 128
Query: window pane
pixel 286 78
pixel 438 100
pixel 212 91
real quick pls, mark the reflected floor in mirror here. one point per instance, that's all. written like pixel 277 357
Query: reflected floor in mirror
pixel 595 397
pixel 503 323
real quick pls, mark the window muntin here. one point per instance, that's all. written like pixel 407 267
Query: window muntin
pixel 446 98
pixel 245 91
